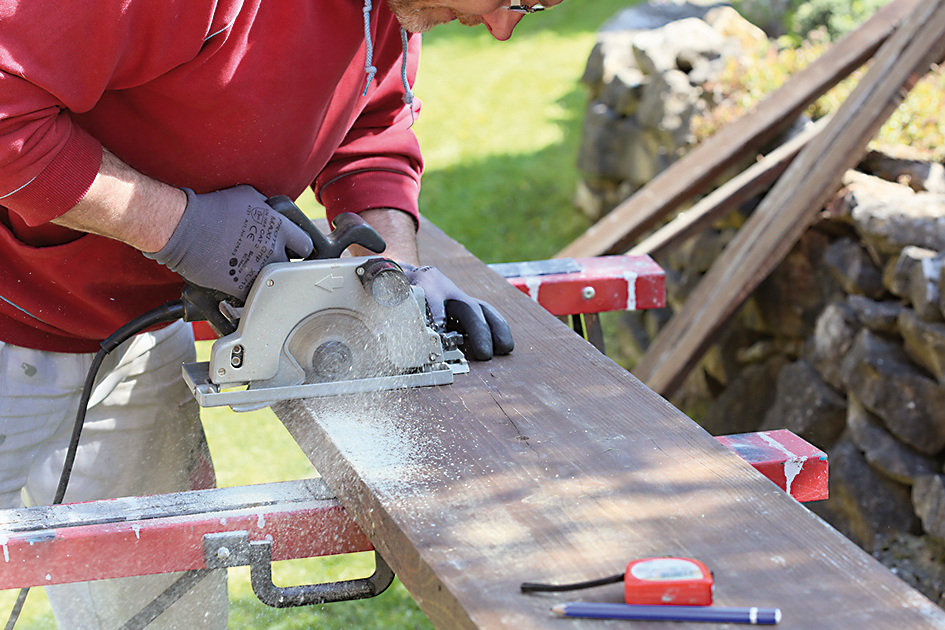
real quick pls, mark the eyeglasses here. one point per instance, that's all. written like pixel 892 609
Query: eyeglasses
pixel 518 7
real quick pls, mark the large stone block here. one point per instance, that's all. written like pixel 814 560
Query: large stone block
pixel 910 404
pixel 908 264
pixel 864 504
pixel 888 226
pixel 924 290
pixel 623 93
pixel 834 332
pixel 667 103
pixel 928 495
pixel 616 148
pixel 883 451
pixel 807 406
pixel 924 342
pixel 919 175
pixel 681 44
pixel 851 266
pixel 880 317
pixel 730 24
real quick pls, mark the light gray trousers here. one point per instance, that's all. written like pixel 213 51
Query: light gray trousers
pixel 142 436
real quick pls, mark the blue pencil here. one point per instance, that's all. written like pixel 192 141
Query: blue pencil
pixel 716 614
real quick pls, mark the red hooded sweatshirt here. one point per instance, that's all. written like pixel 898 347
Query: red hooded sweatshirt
pixel 201 94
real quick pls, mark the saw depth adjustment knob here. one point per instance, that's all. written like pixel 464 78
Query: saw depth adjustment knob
pixel 385 281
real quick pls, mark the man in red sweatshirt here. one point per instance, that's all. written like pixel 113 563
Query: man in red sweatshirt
pixel 138 144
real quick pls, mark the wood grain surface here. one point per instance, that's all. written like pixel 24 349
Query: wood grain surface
pixel 554 464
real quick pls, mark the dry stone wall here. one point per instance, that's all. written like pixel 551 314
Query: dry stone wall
pixel 844 343
pixel 644 79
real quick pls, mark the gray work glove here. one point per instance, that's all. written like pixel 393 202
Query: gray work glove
pixel 225 238
pixel 485 331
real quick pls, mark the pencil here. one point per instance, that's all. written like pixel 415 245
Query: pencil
pixel 716 614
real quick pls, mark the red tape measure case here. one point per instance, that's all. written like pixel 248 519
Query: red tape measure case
pixel 677 581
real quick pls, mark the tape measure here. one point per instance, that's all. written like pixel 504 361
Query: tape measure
pixel 651 581
pixel 679 581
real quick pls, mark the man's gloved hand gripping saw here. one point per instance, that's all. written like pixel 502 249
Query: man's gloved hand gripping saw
pixel 225 238
pixel 485 331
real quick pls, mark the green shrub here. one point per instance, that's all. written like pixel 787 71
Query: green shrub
pixel 837 17
pixel 916 128
pixel 796 18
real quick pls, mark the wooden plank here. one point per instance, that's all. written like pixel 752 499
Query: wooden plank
pixel 755 180
pixel 133 536
pixel 553 464
pixel 792 204
pixel 619 229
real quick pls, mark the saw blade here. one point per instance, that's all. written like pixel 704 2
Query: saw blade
pixel 336 345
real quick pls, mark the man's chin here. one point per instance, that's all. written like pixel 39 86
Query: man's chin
pixel 469 20
pixel 420 20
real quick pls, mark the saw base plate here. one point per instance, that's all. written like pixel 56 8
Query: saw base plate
pixel 208 394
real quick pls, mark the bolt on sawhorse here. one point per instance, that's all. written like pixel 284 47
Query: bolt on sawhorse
pixel 203 530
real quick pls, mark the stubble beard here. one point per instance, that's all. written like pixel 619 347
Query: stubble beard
pixel 416 19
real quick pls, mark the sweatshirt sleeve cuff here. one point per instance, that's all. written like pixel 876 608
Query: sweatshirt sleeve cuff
pixel 62 183
pixel 366 190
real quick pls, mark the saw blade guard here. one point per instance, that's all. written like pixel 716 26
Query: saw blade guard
pixel 325 321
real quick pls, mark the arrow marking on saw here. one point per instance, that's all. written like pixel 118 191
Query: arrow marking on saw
pixel 331 282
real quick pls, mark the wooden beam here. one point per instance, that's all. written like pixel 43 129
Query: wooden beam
pixel 617 231
pixel 755 180
pixel 554 464
pixel 793 203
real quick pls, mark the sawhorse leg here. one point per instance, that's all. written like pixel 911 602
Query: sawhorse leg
pixel 589 327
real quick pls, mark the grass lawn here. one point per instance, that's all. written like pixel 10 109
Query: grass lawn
pixel 499 128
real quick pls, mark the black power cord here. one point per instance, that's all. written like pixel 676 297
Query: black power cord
pixel 532 587
pixel 168 312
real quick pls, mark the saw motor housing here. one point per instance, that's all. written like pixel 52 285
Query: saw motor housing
pixel 325 327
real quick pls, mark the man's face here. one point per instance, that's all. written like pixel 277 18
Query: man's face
pixel 418 16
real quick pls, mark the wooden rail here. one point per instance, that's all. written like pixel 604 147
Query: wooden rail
pixel 616 232
pixel 793 203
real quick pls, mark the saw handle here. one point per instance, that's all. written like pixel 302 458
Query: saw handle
pixel 350 229
pixel 202 304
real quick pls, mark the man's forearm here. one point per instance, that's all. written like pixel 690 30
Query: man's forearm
pixel 398 230
pixel 128 206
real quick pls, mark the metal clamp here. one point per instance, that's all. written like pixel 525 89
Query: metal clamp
pixel 233 549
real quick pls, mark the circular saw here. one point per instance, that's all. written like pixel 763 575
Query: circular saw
pixel 318 328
